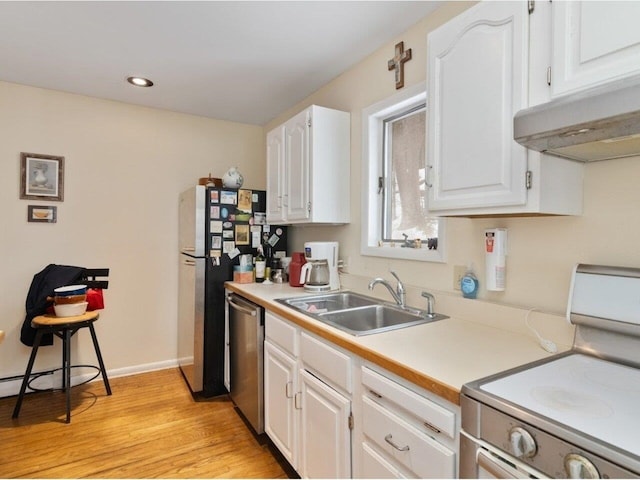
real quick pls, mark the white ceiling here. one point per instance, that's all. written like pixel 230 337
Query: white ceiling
pixel 243 61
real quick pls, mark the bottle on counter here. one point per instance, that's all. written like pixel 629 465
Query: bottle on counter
pixel 267 250
pixel 261 266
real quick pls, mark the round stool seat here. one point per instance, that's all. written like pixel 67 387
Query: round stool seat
pixel 51 320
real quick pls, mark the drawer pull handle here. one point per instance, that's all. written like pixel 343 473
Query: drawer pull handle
pixel 389 440
pixel 375 394
pixel 296 401
pixel 431 427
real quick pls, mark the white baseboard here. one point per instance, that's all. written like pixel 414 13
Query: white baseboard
pixel 12 387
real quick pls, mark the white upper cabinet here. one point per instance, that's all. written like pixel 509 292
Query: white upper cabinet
pixel 308 168
pixel 478 78
pixel 593 42
pixel 275 174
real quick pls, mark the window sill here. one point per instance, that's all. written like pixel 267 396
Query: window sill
pixel 418 254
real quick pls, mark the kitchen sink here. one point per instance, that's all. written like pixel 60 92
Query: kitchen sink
pixel 358 314
pixel 329 302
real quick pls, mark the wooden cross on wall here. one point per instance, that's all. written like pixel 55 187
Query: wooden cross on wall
pixel 397 63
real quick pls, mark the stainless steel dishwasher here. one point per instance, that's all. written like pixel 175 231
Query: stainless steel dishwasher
pixel 246 353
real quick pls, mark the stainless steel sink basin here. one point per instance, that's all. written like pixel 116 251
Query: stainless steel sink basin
pixel 358 314
pixel 329 302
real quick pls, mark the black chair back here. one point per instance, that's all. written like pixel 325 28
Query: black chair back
pixel 96 277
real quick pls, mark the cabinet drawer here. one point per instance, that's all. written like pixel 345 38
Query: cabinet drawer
pixel 405 444
pixel 281 333
pixel 374 466
pixel 424 409
pixel 330 364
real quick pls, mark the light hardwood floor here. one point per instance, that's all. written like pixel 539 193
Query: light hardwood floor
pixel 150 427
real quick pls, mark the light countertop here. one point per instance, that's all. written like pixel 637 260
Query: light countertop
pixel 439 356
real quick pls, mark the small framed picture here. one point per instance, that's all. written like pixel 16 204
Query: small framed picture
pixel 242 234
pixel 41 214
pixel 41 177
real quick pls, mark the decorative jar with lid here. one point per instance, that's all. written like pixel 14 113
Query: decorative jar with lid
pixel 233 178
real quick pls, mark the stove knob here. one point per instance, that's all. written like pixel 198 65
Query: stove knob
pixel 523 445
pixel 576 466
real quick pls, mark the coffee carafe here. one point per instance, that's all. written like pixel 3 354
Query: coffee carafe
pixel 315 275
pixel 328 252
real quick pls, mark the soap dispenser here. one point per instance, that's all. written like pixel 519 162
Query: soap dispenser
pixel 469 283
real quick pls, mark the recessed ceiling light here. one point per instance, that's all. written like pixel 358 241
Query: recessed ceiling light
pixel 140 81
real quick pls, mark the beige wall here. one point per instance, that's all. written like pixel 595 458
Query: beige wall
pixel 542 251
pixel 124 168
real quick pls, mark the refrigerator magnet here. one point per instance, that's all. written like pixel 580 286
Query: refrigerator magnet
pixel 242 234
pixel 215 226
pixel 224 212
pixel 228 198
pixel 215 212
pixel 244 200
pixel 260 218
pixel 273 239
pixel 216 242
pixel 234 253
pixel 227 234
pixel 214 196
pixel 228 246
pixel 215 253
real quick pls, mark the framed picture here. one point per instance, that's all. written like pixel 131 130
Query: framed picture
pixel 242 234
pixel 41 214
pixel 41 177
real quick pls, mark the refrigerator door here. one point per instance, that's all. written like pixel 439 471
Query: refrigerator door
pixel 191 309
pixel 192 221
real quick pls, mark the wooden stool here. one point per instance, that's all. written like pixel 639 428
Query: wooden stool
pixel 64 328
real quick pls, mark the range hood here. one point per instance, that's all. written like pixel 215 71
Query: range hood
pixel 600 123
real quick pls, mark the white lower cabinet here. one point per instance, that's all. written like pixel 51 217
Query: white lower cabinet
pixel 403 434
pixel 307 407
pixel 324 429
pixel 333 416
pixel 280 385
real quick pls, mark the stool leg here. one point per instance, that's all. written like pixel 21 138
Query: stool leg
pixel 66 369
pixel 25 380
pixel 99 355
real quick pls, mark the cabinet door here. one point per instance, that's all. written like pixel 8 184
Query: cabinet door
pixel 296 199
pixel 593 42
pixel 325 433
pixel 275 175
pixel 280 415
pixel 477 81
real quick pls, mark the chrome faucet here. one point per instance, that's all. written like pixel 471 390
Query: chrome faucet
pixel 430 301
pixel 398 295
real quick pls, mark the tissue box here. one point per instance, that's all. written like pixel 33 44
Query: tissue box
pixel 242 275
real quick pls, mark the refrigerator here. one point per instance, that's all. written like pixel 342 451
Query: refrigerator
pixel 217 226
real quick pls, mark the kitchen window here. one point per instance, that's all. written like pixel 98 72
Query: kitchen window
pixel 395 220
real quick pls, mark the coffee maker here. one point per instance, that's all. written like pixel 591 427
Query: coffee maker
pixel 325 251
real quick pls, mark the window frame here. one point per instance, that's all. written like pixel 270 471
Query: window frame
pixel 373 118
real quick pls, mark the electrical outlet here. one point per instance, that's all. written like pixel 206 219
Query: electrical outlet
pixel 458 273
pixel 344 264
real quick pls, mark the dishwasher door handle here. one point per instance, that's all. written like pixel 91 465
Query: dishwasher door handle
pixel 243 309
